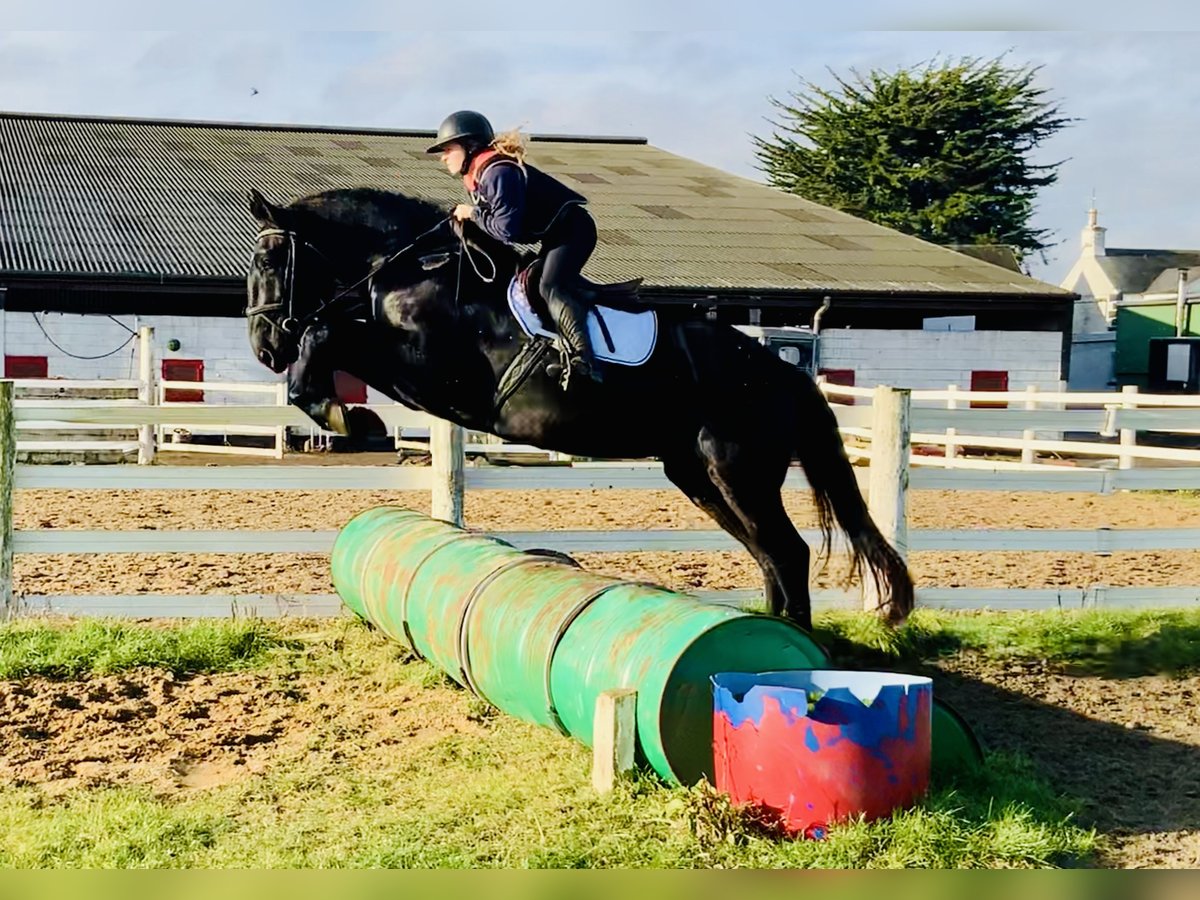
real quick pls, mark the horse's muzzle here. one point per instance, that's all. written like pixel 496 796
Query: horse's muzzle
pixel 267 358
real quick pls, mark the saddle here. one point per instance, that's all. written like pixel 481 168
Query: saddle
pixel 622 330
pixel 619 295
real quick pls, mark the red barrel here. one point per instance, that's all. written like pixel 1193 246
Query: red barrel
pixel 819 746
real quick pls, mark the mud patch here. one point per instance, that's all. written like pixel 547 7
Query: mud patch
pixel 203 732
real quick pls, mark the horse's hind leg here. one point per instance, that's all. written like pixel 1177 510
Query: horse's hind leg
pixel 689 472
pixel 749 480
pixel 743 498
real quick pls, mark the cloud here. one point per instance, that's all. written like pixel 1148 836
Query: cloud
pixel 696 93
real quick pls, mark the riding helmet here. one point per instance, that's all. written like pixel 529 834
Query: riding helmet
pixel 471 129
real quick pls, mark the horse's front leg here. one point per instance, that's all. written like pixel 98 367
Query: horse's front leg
pixel 310 382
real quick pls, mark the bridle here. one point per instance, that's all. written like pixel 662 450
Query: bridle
pixel 292 325
pixel 288 325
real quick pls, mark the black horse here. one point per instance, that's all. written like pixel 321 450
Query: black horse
pixel 383 287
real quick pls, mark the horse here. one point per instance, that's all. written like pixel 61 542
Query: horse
pixel 388 288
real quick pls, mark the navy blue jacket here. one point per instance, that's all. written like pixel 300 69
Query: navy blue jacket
pixel 517 203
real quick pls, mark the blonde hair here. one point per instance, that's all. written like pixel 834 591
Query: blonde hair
pixel 511 143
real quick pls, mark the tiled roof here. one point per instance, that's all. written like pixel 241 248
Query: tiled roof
pixel 168 199
pixel 1142 271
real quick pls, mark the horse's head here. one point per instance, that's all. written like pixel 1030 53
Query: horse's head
pixel 287 281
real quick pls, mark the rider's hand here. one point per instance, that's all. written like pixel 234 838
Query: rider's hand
pixel 463 211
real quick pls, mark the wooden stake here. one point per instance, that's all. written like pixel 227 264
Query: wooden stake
pixel 614 734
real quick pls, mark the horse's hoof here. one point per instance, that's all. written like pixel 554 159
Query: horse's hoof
pixel 336 416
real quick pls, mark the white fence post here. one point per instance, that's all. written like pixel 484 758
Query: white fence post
pixel 281 399
pixel 1028 435
pixel 951 447
pixel 146 392
pixel 1129 400
pixel 8 452
pixel 888 483
pixel 447 459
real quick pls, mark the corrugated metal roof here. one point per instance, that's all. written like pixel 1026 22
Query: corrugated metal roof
pixel 119 197
pixel 1001 255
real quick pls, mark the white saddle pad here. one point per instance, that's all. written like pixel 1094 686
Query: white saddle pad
pixel 633 334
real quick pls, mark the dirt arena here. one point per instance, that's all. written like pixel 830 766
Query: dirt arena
pixel 603 510
pixel 1127 748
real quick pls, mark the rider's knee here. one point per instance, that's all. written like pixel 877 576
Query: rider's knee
pixel 551 288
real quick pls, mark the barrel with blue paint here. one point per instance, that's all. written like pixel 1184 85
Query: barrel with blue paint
pixel 816 747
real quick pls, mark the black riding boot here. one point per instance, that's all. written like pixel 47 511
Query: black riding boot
pixel 570 318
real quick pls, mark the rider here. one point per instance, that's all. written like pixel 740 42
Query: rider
pixel 519 204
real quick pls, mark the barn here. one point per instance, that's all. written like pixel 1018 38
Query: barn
pixel 111 223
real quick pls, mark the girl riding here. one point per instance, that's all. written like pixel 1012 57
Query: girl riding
pixel 517 203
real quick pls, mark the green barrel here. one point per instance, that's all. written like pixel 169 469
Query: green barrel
pixel 667 647
pixel 515 628
pixel 541 639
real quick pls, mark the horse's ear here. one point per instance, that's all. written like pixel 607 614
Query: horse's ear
pixel 262 210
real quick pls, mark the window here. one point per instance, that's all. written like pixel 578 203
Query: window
pixel 348 388
pixel 26 367
pixel 989 381
pixel 844 377
pixel 183 370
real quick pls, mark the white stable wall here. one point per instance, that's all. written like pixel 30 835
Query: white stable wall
pixel 935 359
pixel 220 342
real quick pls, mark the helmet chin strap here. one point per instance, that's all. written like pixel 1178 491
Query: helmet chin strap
pixel 468 155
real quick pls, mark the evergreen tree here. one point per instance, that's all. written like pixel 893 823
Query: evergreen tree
pixel 940 152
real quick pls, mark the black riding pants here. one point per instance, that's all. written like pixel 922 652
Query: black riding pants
pixel 565 249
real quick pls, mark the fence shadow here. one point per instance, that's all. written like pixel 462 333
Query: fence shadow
pixel 1129 781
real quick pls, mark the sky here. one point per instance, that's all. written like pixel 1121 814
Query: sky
pixel 698 93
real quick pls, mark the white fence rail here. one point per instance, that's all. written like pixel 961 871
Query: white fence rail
pixel 171 440
pixel 448 478
pixel 939 419
pixel 1025 540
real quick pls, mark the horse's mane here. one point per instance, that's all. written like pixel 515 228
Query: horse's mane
pixel 386 212
pixel 373 223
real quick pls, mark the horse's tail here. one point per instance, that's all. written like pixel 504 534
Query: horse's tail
pixel 835 490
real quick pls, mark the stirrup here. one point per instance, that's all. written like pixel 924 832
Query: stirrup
pixel 569 362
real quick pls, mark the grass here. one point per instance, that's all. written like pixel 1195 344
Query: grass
pixel 97 647
pixel 1117 643
pixel 463 813
pixel 516 795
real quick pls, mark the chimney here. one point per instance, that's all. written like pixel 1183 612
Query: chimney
pixel 1092 237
